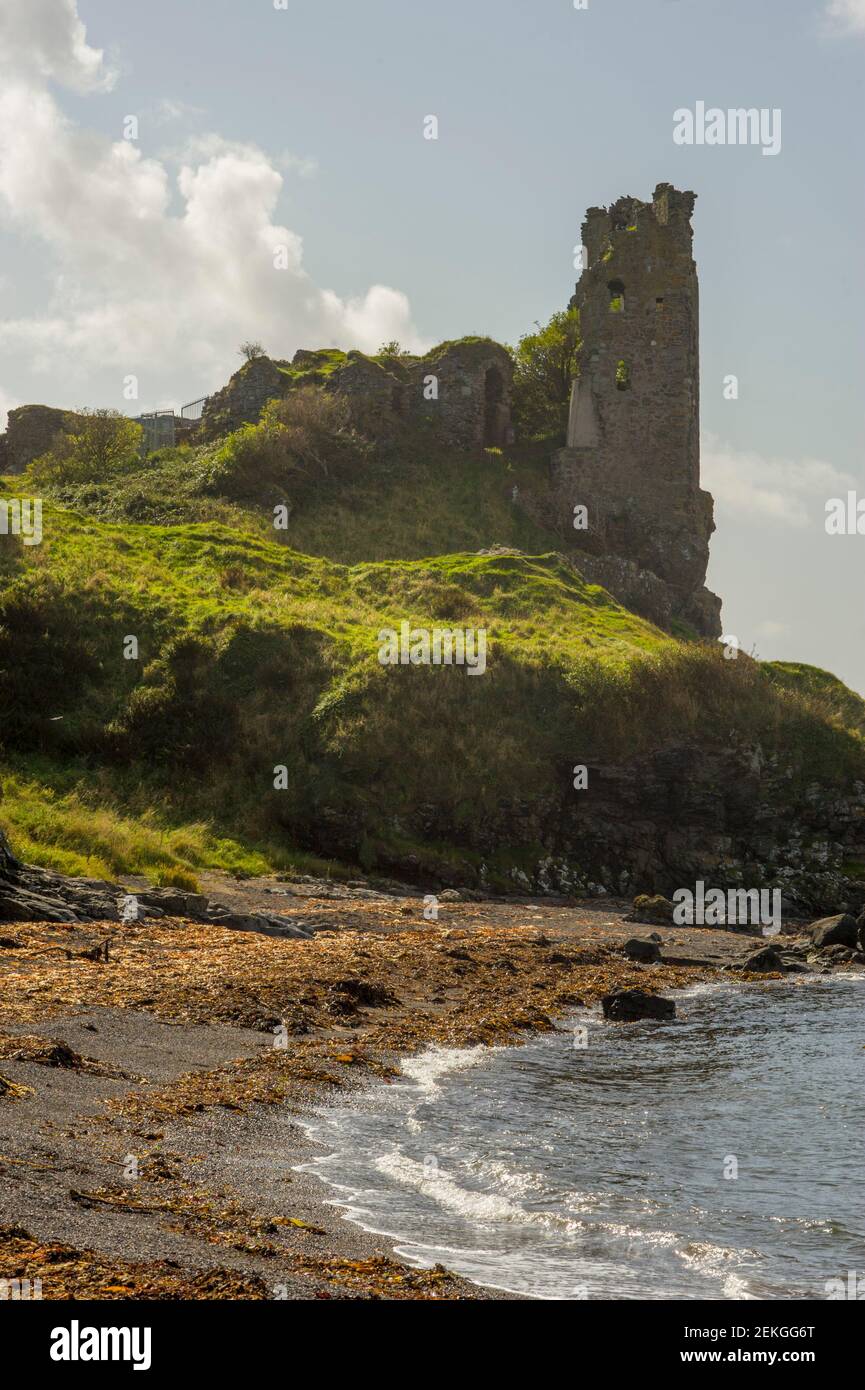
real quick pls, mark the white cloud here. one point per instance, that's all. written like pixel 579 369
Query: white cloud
pixel 752 487
pixel 847 15
pixel 140 284
pixel 42 39
pixel 168 109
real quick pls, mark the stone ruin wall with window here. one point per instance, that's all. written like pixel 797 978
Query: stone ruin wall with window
pixel 633 446
pixel 462 389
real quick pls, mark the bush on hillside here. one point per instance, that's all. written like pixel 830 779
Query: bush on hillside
pixel 95 445
pixel 304 436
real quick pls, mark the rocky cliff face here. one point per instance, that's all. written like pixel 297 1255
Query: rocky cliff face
pixel 730 817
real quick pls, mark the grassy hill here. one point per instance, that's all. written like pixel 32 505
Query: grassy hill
pixel 257 650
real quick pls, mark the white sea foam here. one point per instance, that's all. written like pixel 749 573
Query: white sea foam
pixel 448 1192
pixel 432 1065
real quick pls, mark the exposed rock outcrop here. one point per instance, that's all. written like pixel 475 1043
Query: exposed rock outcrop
pixel 765 960
pixel 29 894
pixel 840 930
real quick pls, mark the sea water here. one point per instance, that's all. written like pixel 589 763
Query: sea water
pixel 716 1156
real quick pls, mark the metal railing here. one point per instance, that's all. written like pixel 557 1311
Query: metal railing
pixel 194 409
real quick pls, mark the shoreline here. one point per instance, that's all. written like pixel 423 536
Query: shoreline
pixel 486 1290
pixel 156 1117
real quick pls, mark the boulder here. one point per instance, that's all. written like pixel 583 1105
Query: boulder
pixel 645 951
pixel 173 902
pixel 836 954
pixel 631 1005
pixel 766 959
pixel 840 930
pixel 652 909
pixel 18 905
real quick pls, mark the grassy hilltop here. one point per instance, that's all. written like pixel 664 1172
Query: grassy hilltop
pixel 258 648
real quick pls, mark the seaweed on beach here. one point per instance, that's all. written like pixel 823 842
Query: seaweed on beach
pixel 65 1272
pixel 331 1013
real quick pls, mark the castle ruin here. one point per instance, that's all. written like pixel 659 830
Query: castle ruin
pixel 632 457
pixel 625 490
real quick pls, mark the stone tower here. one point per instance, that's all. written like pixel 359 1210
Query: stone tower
pixel 633 445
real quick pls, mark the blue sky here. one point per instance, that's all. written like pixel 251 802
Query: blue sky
pixel 304 126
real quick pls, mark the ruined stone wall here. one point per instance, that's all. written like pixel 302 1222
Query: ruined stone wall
pixel 632 456
pixel 30 432
pixel 462 388
pixel 242 400
pixel 474 377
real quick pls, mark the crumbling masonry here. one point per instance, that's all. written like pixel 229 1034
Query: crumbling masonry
pixel 462 389
pixel 633 447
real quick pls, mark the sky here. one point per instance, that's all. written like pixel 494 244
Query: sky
pixel 265 129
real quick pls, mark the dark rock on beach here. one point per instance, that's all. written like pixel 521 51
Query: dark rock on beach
pixel 836 954
pixel 255 921
pixel 631 1005
pixel 29 894
pixel 769 958
pixel 647 952
pixel 35 895
pixel 840 930
pixel 174 903
pixel 653 909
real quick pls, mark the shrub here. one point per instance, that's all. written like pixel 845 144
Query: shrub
pixel 302 437
pixel 545 364
pixel 96 444
pixel 181 713
pixel 178 878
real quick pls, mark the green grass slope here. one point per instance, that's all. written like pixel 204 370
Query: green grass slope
pixel 258 650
